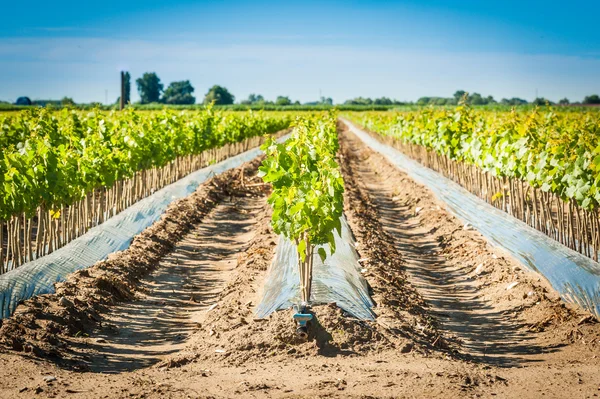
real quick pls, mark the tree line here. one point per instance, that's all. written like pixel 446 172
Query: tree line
pixel 478 99
pixel 152 90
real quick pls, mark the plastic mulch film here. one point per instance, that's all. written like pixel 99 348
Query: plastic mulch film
pixel 337 280
pixel 39 276
pixel 575 276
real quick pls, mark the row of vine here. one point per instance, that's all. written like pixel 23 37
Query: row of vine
pixel 541 166
pixel 62 173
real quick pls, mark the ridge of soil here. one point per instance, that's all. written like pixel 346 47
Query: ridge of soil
pixel 40 324
pixel 400 308
pixel 172 302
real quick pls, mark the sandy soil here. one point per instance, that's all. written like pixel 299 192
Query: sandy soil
pixel 177 318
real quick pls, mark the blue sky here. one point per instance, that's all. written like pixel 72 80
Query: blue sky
pixel 402 50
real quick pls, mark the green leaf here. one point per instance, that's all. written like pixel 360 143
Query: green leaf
pixel 302 250
pixel 322 254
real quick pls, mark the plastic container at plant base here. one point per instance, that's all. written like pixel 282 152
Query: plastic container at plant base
pixel 575 276
pixel 336 280
pixel 39 276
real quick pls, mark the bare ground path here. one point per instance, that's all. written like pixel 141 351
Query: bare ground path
pixel 485 332
pixel 176 297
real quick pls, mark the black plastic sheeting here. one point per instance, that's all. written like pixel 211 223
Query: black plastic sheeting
pixel 575 276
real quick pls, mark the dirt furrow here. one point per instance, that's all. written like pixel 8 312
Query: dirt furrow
pixel 173 301
pixel 448 265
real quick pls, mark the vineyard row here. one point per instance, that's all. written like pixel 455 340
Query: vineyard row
pixel 24 237
pixel 564 220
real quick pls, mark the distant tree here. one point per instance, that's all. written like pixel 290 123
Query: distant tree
pixel 490 100
pixel 23 101
pixel 281 100
pixel 450 101
pixel 593 99
pixel 359 101
pixel 179 93
pixel 149 88
pixel 423 101
pixel 46 103
pixel 258 98
pixel 564 101
pixel 67 101
pixel 513 101
pixel 542 101
pixel 219 95
pixel 458 95
pixel 476 99
pixel 326 101
pixel 253 99
pixel 382 101
pixel 127 84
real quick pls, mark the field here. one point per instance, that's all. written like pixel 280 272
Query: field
pixel 173 313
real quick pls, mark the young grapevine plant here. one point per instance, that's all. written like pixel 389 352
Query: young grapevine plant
pixel 307 185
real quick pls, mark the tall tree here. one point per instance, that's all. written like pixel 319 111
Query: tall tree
pixel 593 99
pixel 513 101
pixel 149 87
pixel 542 101
pixel 67 101
pixel 382 101
pixel 127 78
pixel 254 99
pixel 283 100
pixel 458 95
pixel 475 99
pixel 219 95
pixel 179 93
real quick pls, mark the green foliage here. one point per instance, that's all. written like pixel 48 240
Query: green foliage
pixel 149 88
pixel 541 101
pixel 593 99
pixel 307 183
pixel 127 84
pixel 368 101
pixel 219 96
pixel 458 97
pixel 554 149
pixel 513 101
pixel 67 101
pixel 179 93
pixel 254 99
pixel 54 158
pixel 564 101
pixel 281 100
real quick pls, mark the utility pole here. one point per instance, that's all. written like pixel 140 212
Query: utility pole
pixel 122 100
